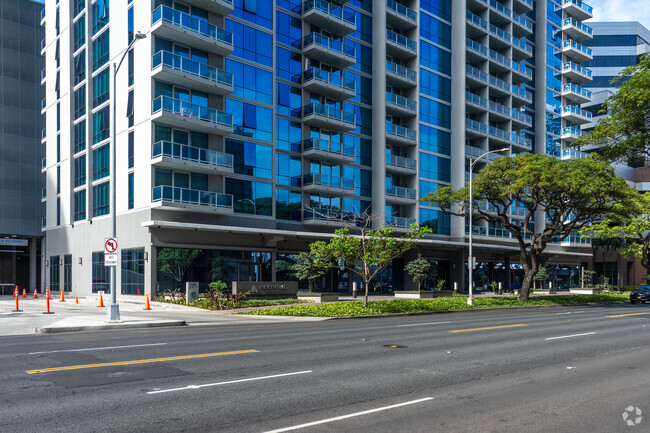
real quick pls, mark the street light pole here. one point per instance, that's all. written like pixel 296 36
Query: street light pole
pixel 114 308
pixel 470 258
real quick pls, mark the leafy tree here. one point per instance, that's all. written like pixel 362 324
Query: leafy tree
pixel 633 229
pixel 309 267
pixel 587 277
pixel 418 269
pixel 572 193
pixel 220 269
pixel 175 262
pixel 541 275
pixel 625 133
pixel 370 251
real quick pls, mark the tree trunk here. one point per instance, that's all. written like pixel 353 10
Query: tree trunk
pixel 419 285
pixel 530 264
pixel 524 292
pixel 311 285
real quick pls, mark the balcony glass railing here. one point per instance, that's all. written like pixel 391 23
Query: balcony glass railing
pixel 475 19
pixel 499 133
pixel 399 222
pixel 475 99
pixel 191 196
pixel 400 131
pixel 521 116
pixel 476 230
pixel 500 58
pixel 578 47
pixel 500 33
pixel 495 107
pixel 192 67
pixel 574 109
pixel 473 72
pixel 328 181
pixel 400 101
pixel 499 83
pixel 328 146
pixel 522 92
pixel 521 44
pixel 521 20
pixel 329 78
pixel 330 112
pixel 327 214
pixel 572 22
pixel 476 126
pixel 498 232
pixel 334 11
pixel 329 44
pixel 475 46
pixel 401 40
pixel 400 192
pixel 191 153
pixel 500 8
pixel 576 89
pixel 401 10
pixel 522 141
pixel 581 5
pixel 400 70
pixel 570 66
pixel 176 106
pixel 192 24
pixel 400 161
pixel 573 153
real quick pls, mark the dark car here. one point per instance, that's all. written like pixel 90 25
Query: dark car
pixel 640 294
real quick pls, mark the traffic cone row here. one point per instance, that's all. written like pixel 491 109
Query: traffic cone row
pixel 48 296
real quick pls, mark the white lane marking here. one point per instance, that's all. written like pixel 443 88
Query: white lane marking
pixel 99 348
pixel 338 418
pixel 229 382
pixel 569 336
pixel 422 324
pixel 571 312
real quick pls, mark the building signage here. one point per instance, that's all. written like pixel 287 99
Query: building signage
pixel 14 242
pixel 266 289
pixel 110 259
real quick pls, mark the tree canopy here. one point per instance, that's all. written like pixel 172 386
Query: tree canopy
pixel 309 267
pixel 625 133
pixel 175 262
pixel 571 193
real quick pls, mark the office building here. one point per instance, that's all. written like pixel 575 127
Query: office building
pixel 248 129
pixel 21 151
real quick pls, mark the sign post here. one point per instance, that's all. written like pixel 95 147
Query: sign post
pixel 110 259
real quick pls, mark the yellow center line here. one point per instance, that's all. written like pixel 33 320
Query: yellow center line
pixel 630 314
pixel 489 327
pixel 139 361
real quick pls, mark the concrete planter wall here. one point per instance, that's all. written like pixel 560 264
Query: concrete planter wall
pixel 585 291
pixel 319 297
pixel 422 295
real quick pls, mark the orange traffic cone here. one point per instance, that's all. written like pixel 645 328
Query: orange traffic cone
pixel 76 299
pixel 101 301
pixel 24 293
pixel 35 293
pixel 138 292
pixel 62 298
pixel 146 303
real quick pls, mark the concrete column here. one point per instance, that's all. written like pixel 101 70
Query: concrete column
pixel 457 271
pixel 458 14
pixel 274 258
pixel 540 93
pixel 151 272
pixel 33 264
pixel 508 282
pixel 379 112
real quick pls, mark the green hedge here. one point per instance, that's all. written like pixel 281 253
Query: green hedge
pixel 347 309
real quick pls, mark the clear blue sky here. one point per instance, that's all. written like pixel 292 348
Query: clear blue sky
pixel 621 10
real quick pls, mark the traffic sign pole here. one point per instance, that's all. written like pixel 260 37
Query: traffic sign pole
pixel 110 248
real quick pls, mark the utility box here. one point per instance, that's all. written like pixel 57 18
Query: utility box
pixel 191 291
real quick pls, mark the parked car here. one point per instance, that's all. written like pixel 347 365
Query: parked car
pixel 640 294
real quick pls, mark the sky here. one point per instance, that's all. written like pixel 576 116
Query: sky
pixel 621 10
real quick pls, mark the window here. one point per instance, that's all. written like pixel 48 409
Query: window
pixel 436 220
pixel 131 148
pixel 251 44
pixel 250 197
pixel 67 273
pixel 289 100
pixel 435 113
pixel 58 116
pixel 100 15
pixel 251 159
pixel 129 108
pixel 435 140
pixel 101 125
pixel 441 8
pixel 131 192
pixel 79 33
pixel 434 30
pixel 80 67
pixel 434 85
pixel 251 82
pixel 101 87
pixel 101 162
pixel 130 25
pixel 58 211
pixel 101 199
pixel 79 5
pixel 58 179
pixel 101 274
pixel 131 67
pixel 54 273
pixel 434 167
pixel 80 171
pixel 80 102
pixel 287 135
pixel 287 205
pixel 132 265
pixel 80 136
pixel 289 30
pixel 101 50
pixel 288 65
pixel 80 205
pixel 258 12
pixel 250 120
pixel 435 58
pixel 287 170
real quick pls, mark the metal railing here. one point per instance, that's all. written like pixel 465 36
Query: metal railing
pixel 400 101
pixel 400 192
pixel 329 78
pixel 328 146
pixel 192 24
pixel 576 89
pixel 402 10
pixel 400 161
pixel 400 131
pixel 339 13
pixel 166 103
pixel 399 222
pixel 401 40
pixel 476 73
pixel 575 23
pixel 191 153
pixel 327 180
pixel 400 70
pixel 183 64
pixel 329 44
pixel 191 196
pixel 330 112
pixel 475 99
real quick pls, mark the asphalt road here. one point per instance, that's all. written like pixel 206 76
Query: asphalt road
pixel 561 369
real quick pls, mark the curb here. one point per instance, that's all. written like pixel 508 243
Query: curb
pixel 56 330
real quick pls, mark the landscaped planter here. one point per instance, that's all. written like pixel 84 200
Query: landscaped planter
pixel 544 292
pixel 590 291
pixel 422 295
pixel 319 297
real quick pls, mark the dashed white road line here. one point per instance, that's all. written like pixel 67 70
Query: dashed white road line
pixel 351 415
pixel 422 324
pixel 160 391
pixel 570 312
pixel 569 336
pixel 98 348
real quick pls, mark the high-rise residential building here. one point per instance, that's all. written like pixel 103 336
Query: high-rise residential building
pixel 248 129
pixel 21 151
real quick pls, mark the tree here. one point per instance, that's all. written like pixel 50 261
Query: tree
pixel 625 133
pixel 418 269
pixel 370 251
pixel 541 275
pixel 175 262
pixel 633 229
pixel 309 267
pixel 220 269
pixel 572 193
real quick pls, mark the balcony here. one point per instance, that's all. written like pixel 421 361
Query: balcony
pixel 188 30
pixel 475 76
pixel 521 73
pixel 577 9
pixel 326 184
pixel 521 95
pixel 175 198
pixel 523 6
pixel 182 114
pixel 323 150
pixel 499 62
pixel 397 222
pixel 522 141
pixel 43 76
pixel 575 72
pixel 574 114
pixel 43 134
pixel 476 103
pixel 182 157
pixel 399 135
pixel 474 127
pixel 400 195
pixel 43 105
pixel 331 51
pixel 475 51
pixel 327 117
pixel 338 19
pixel 400 76
pixel 576 94
pixel 498 86
pixel 520 49
pixel 400 46
pixel 43 46
pixel 43 194
pixel 219 7
pixel 499 38
pixel 43 164
pixel 503 14
pixel 397 105
pixel 327 217
pixel 572 153
pixel 521 120
pixel 328 84
pixel 42 16
pixel 521 26
pixel 576 51
pixel 499 134
pixel 172 68
pixel 399 16
pixel 498 110
pixel 576 30
pixel 570 134
pixel 400 165
pixel 476 26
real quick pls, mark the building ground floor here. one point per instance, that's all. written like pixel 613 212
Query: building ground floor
pixel 20 262
pixel 156 253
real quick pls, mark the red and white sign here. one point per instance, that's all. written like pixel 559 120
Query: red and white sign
pixel 110 245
